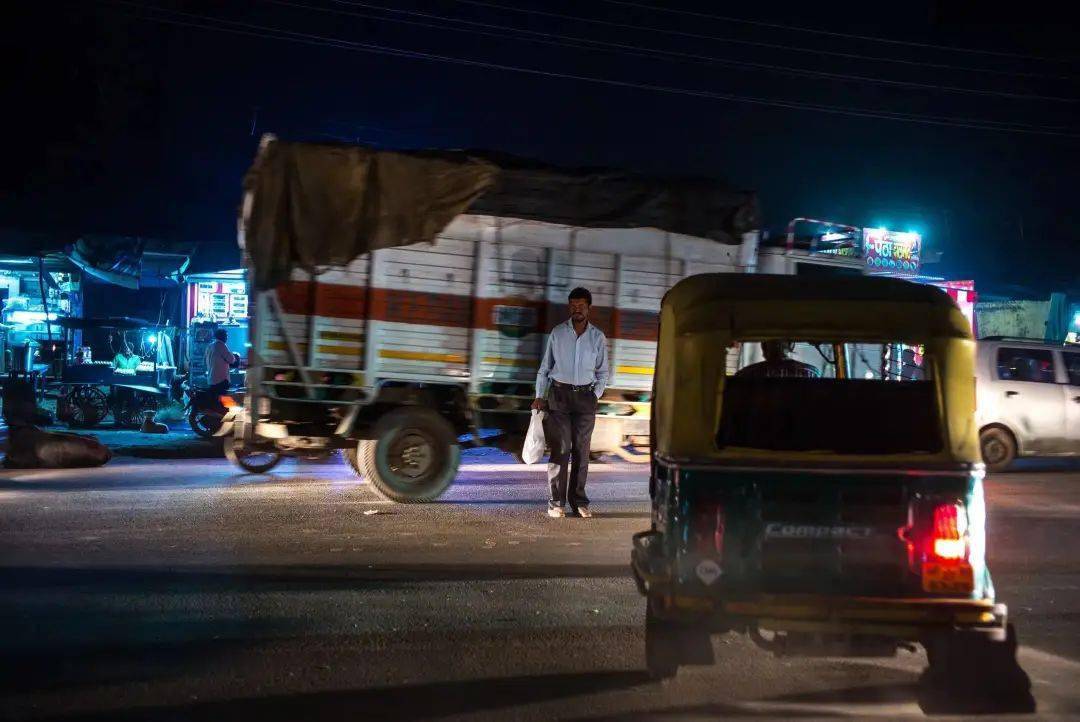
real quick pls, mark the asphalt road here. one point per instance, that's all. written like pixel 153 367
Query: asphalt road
pixel 182 590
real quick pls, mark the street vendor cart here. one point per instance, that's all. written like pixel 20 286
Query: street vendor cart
pixel 94 388
pixel 814 509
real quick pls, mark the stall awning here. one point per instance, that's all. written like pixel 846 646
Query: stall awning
pixel 131 262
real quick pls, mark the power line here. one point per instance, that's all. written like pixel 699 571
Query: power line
pixel 773 46
pixel 833 33
pixel 240 28
pixel 649 52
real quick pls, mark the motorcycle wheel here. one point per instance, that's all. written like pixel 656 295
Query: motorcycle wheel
pixel 251 460
pixel 204 424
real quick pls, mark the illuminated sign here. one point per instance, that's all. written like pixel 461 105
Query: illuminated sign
pixel 892 251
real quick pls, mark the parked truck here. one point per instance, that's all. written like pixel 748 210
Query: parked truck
pixel 422 320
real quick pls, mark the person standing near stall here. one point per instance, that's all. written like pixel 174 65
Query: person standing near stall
pixel 219 360
pixel 569 384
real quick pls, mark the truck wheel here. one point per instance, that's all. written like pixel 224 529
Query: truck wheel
pixel 413 458
pixel 998 448
pixel 254 461
pixel 970 673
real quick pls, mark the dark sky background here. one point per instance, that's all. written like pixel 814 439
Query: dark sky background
pixel 124 117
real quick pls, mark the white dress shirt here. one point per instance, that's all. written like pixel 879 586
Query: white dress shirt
pixel 575 360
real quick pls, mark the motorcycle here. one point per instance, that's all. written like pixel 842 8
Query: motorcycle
pixel 205 411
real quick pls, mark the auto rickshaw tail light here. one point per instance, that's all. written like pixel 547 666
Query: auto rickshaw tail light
pixel 949 538
pixel 709 527
pixel 936 533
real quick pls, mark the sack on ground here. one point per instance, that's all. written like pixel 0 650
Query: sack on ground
pixel 32 448
pixel 533 450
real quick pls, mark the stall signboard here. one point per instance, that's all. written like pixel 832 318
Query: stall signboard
pixel 891 251
pixel 220 300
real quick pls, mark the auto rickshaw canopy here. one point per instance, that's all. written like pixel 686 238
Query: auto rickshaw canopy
pixel 703 316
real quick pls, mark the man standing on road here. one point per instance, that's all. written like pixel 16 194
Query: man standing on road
pixel 571 378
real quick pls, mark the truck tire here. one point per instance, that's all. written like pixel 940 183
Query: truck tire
pixel 998 448
pixel 412 459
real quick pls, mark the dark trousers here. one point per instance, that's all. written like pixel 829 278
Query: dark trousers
pixel 218 389
pixel 568 428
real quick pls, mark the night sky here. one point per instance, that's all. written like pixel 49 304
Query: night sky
pixel 122 117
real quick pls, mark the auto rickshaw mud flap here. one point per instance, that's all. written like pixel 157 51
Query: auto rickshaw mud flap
pixel 972 673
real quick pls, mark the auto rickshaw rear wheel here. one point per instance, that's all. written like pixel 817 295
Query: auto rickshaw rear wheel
pixel 413 455
pixel 670 644
pixel 970 673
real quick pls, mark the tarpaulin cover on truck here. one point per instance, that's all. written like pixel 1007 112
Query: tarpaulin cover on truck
pixel 316 205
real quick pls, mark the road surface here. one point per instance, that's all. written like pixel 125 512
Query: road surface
pixel 179 589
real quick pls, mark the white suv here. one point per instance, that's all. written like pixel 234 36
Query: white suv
pixel 1028 399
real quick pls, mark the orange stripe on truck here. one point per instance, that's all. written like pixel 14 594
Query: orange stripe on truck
pixel 332 300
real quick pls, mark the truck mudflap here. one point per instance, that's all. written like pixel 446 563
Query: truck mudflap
pixel 907 617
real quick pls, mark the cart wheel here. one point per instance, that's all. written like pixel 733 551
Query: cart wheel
pixel 87 406
pixel 129 414
pixel 255 461
pixel 204 424
pixel 413 458
pixel 998 448
pixel 970 673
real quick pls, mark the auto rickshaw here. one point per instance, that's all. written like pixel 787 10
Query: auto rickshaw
pixel 828 504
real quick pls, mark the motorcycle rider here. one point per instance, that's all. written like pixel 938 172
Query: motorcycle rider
pixel 219 359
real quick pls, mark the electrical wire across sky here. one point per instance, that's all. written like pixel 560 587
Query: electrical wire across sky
pixel 169 16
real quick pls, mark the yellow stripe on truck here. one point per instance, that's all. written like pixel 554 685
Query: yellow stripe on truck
pixel 506 361
pixel 340 350
pixel 639 370
pixel 422 356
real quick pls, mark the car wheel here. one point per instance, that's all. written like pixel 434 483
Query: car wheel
pixel 998 448
pixel 413 457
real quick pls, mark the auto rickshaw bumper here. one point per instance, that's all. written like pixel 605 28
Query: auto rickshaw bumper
pixel 908 618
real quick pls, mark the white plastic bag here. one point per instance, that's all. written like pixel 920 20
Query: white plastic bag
pixel 533 450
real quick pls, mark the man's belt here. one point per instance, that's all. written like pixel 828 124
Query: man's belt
pixel 561 385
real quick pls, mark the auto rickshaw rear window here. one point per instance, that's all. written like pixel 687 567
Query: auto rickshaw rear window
pixel 845 398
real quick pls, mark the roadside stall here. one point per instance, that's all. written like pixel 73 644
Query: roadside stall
pixel 35 291
pixel 213 301
pixel 813 247
pixel 123 368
